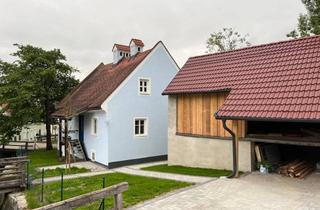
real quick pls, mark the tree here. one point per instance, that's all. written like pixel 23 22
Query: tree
pixel 308 24
pixel 31 85
pixel 225 40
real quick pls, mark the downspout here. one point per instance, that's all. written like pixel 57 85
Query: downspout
pixel 234 150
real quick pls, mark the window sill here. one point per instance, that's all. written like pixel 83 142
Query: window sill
pixel 139 136
pixel 144 94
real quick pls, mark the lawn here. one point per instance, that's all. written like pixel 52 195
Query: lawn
pixel 140 189
pixel 188 170
pixel 57 172
pixel 42 158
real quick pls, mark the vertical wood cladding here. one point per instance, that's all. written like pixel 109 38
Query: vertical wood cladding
pixel 195 116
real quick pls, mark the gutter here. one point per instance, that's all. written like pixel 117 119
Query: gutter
pixel 268 119
pixel 235 171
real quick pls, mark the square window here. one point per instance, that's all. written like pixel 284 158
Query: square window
pixel 144 86
pixel 140 127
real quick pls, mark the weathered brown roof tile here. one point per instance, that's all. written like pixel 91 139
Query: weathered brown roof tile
pixel 97 86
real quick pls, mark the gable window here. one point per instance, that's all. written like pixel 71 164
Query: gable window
pixel 120 53
pixel 139 49
pixel 140 127
pixel 94 128
pixel 144 86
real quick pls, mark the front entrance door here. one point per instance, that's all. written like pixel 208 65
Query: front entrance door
pixel 81 135
pixel 81 128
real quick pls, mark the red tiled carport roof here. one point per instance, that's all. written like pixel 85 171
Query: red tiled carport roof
pixel 277 81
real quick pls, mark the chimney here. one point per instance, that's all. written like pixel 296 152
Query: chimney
pixel 120 51
pixel 136 45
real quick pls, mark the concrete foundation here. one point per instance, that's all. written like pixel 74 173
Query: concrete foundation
pixel 203 152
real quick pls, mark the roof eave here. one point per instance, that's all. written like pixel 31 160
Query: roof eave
pixel 225 90
pixel 266 119
pixel 65 116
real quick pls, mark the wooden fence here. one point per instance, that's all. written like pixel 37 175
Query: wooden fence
pixel 13 174
pixel 14 145
pixel 81 200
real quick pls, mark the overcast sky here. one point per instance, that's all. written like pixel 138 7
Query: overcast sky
pixel 85 30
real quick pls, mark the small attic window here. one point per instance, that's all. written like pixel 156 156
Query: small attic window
pixel 139 49
pixel 144 86
pixel 120 53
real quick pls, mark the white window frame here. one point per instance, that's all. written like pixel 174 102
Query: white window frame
pixel 145 126
pixel 148 80
pixel 94 130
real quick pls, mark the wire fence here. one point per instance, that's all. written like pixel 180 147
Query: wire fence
pixel 47 186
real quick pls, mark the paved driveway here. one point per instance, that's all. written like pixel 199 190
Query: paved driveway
pixel 253 191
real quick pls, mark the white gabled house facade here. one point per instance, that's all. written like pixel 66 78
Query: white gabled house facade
pixel 131 124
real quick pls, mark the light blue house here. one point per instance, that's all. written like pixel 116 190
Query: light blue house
pixel 118 112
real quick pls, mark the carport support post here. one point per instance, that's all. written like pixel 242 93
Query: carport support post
pixel 235 150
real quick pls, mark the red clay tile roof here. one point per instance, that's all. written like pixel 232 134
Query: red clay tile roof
pixel 138 42
pixel 274 81
pixel 121 47
pixel 97 86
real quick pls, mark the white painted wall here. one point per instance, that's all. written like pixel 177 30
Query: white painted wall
pixel 29 132
pixel 115 140
pixel 73 127
pixel 134 49
pixel 96 143
pixel 116 55
pixel 126 103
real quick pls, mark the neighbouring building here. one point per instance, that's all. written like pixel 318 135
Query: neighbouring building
pixel 117 112
pixel 32 132
pixel 266 95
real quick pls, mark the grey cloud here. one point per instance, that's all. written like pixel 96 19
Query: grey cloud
pixel 86 30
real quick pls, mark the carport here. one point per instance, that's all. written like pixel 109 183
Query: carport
pixel 285 141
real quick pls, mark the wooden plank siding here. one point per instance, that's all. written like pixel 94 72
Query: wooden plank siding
pixel 195 116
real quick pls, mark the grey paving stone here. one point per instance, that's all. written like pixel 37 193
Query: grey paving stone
pixel 254 191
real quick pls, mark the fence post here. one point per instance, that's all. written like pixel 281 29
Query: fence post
pixel 118 201
pixel 42 184
pixel 26 148
pixel 61 195
pixel 103 186
pixel 28 178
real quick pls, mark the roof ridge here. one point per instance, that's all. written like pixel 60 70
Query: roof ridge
pixel 121 44
pixel 128 58
pixel 257 46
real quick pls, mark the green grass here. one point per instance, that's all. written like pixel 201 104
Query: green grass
pixel 188 170
pixel 42 158
pixel 57 172
pixel 140 189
